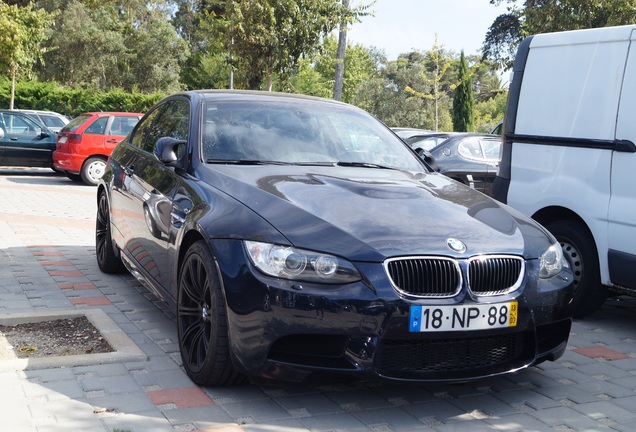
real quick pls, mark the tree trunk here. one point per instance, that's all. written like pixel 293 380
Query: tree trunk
pixel 340 55
pixel 13 74
pixel 269 82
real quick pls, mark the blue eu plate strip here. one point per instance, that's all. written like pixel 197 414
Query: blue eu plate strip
pixel 416 318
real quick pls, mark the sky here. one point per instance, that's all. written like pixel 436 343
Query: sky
pixel 400 26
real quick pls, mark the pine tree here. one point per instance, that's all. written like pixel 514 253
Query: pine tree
pixel 463 99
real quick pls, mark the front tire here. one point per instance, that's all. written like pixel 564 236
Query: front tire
pixel 202 321
pixel 107 260
pixel 580 251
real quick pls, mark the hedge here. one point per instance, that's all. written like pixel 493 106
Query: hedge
pixel 72 102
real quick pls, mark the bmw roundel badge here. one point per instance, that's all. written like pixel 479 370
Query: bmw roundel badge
pixel 456 245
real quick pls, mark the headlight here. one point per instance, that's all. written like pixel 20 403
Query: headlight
pixel 299 264
pixel 552 262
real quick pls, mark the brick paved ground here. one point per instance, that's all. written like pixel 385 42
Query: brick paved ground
pixel 47 263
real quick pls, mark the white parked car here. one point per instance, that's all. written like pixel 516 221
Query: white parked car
pixel 52 120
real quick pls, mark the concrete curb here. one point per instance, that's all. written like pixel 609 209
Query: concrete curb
pixel 125 350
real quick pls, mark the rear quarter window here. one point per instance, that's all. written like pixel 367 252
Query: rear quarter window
pixel 74 124
pixel 97 127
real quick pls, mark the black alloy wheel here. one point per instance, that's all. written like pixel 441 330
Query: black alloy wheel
pixel 202 321
pixel 107 260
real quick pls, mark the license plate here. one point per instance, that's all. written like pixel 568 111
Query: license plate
pixel 463 317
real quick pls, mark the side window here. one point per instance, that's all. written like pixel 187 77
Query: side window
pixel 144 137
pixel 98 127
pixel 471 149
pixel 174 121
pixel 168 120
pixel 16 124
pixel 52 121
pixel 492 149
pixel 122 125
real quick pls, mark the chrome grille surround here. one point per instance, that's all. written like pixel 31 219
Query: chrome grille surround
pixel 425 276
pixel 490 275
pixel 442 277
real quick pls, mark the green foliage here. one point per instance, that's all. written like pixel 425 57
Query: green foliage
pixel 268 37
pixel 463 99
pixel 100 46
pixel 489 112
pixel 22 29
pixel 533 17
pixel 72 102
pixel 436 75
pixel 315 76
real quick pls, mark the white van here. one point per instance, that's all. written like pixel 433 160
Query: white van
pixel 569 158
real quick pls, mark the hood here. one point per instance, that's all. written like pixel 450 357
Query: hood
pixel 372 214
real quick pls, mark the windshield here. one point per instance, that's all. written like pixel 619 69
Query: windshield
pixel 300 133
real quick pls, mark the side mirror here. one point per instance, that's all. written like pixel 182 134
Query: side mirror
pixel 427 157
pixel 166 150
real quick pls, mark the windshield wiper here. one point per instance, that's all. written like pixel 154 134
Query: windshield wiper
pixel 364 165
pixel 244 162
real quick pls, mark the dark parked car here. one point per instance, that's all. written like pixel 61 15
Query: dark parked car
pixel 428 140
pixel 25 142
pixel 405 132
pixel 470 158
pixel 298 235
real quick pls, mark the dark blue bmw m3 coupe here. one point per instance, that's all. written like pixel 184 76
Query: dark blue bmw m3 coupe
pixel 296 235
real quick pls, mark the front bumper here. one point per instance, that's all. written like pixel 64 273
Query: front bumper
pixel 287 330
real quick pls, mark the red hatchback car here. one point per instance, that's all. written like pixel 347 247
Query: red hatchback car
pixel 83 145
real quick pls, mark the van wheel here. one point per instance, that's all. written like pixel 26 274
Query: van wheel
pixel 579 250
pixel 92 170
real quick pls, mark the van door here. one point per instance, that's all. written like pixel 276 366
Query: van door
pixel 622 206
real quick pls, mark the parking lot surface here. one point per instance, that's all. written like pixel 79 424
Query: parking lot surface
pixel 47 264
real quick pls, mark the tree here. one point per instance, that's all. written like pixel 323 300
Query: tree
pixel 541 16
pixel 340 56
pixel 157 54
pixel 267 38
pixel 438 63
pixel 315 74
pixel 463 99
pixel 132 48
pixel 22 29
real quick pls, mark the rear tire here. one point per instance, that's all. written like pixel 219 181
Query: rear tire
pixel 107 260
pixel 93 170
pixel 202 321
pixel 580 251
